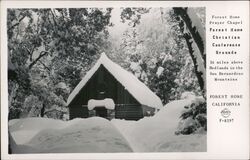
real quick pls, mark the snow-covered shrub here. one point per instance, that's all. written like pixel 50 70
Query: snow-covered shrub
pixel 194 116
pixel 18 88
pixel 56 112
pixel 65 117
pixel 187 95
pixel 31 107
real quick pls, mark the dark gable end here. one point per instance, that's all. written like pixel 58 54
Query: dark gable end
pixel 103 80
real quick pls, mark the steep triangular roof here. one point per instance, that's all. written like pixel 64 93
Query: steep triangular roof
pixel 134 86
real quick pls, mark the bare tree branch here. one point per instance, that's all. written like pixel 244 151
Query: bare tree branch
pixel 14 25
pixel 46 67
pixel 54 19
pixel 42 54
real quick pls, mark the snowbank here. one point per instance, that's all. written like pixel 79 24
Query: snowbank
pixel 23 130
pixel 157 133
pixel 76 136
pixel 96 134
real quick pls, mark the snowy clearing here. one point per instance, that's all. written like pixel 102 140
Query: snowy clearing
pixel 150 134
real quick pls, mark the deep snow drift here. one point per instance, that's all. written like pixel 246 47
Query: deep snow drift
pixel 157 133
pixel 150 134
pixel 79 135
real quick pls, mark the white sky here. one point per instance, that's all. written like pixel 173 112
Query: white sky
pixel 118 27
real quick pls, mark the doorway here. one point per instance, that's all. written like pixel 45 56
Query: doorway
pixel 101 112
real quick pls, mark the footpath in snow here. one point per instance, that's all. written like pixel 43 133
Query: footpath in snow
pixel 93 135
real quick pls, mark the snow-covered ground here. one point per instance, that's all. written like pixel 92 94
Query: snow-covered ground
pixel 157 133
pixel 79 135
pixel 150 134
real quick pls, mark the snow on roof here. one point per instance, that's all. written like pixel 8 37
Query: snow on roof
pixel 108 103
pixel 134 86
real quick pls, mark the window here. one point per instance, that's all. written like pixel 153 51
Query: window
pixel 101 88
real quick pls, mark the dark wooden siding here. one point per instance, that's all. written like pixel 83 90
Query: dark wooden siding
pixel 103 85
pixel 78 112
pixel 91 90
pixel 129 112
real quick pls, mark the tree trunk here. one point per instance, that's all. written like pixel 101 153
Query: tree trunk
pixel 198 73
pixel 182 12
pixel 193 36
pixel 43 110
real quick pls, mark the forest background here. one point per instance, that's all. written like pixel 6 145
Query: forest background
pixel 50 50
